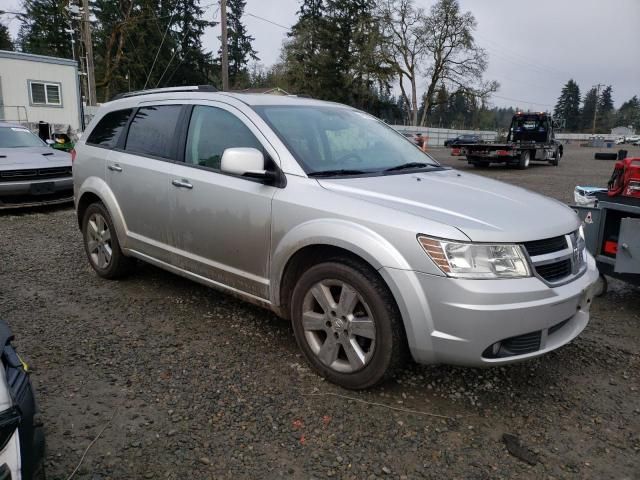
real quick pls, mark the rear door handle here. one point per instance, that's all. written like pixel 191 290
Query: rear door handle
pixel 115 168
pixel 181 184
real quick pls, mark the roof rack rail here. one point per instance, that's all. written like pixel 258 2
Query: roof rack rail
pixel 194 88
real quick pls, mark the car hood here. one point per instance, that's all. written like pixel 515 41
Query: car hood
pixel 32 157
pixel 485 210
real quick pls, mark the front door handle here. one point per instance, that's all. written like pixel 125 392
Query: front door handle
pixel 115 168
pixel 181 184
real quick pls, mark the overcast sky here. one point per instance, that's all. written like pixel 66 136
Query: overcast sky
pixel 534 47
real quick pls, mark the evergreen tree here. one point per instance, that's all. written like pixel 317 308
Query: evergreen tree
pixel 43 28
pixel 589 105
pixel 568 106
pixel 605 110
pixel 190 64
pixel 629 114
pixel 132 51
pixel 239 44
pixel 334 52
pixel 5 39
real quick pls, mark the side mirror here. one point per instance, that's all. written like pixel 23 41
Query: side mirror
pixel 247 162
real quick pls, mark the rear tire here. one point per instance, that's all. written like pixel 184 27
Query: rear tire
pixel 101 244
pixel 347 324
pixel 525 159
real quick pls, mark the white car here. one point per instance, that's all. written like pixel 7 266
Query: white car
pixel 633 139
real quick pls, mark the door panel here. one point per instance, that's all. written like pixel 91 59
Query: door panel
pixel 628 257
pixel 140 185
pixel 221 224
pixel 221 227
pixel 139 176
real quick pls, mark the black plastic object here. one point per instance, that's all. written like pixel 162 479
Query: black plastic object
pixel 5 472
pixel 622 154
pixel 606 156
pixel 31 435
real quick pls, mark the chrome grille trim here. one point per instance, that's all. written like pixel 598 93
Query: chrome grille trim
pixel 574 252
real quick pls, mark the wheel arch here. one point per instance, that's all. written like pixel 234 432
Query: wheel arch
pixel 308 244
pixel 96 190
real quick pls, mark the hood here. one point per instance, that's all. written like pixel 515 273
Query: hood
pixel 33 157
pixel 485 210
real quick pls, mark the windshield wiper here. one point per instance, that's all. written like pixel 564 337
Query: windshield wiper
pixel 333 173
pixel 406 166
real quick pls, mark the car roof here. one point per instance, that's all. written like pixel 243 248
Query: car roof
pixel 250 99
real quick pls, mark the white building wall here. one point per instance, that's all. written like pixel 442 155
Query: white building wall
pixel 17 69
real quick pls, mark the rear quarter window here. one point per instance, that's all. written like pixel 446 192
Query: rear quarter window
pixel 107 132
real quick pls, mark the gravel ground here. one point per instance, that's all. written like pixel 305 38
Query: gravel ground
pixel 184 382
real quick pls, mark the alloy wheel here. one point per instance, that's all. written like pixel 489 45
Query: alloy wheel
pixel 338 326
pixel 99 241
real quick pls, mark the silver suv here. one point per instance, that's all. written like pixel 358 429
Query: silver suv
pixel 331 219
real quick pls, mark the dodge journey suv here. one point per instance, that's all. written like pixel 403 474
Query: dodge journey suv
pixel 332 219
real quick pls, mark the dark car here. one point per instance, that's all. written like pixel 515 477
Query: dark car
pixel 462 139
pixel 31 172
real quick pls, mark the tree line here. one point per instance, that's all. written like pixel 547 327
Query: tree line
pixel 595 112
pixel 357 52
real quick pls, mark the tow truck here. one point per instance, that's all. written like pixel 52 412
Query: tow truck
pixel 531 137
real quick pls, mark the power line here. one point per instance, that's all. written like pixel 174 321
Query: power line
pixel 267 20
pixel 159 48
pixel 522 101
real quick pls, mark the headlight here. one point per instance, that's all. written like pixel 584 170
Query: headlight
pixel 476 260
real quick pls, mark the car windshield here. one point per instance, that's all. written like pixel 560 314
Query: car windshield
pixel 342 141
pixel 17 137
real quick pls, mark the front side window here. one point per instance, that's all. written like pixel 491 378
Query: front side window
pixel 153 131
pixel 108 129
pixel 328 139
pixel 45 93
pixel 211 131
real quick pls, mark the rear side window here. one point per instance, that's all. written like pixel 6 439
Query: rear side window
pixel 108 129
pixel 153 131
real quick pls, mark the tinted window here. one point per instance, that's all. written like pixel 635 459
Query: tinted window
pixel 153 131
pixel 108 130
pixel 213 130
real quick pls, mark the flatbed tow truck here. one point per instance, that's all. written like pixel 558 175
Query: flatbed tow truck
pixel 531 138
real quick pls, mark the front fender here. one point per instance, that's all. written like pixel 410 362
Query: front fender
pixel 99 187
pixel 355 238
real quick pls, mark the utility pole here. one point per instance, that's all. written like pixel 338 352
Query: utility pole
pixel 88 50
pixel 223 40
pixel 595 110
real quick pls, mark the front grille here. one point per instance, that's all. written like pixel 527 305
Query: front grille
pixel 556 259
pixel 552 272
pixel 549 245
pixel 34 174
pixel 519 345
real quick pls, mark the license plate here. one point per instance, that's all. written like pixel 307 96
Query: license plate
pixel 42 188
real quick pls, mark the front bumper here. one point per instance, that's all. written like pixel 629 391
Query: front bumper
pixel 458 321
pixel 36 192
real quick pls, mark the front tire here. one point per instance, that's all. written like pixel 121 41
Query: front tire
pixel 347 324
pixel 101 244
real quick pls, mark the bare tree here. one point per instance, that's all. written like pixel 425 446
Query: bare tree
pixel 405 46
pixel 455 59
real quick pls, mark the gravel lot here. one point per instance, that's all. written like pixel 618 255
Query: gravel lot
pixel 184 382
